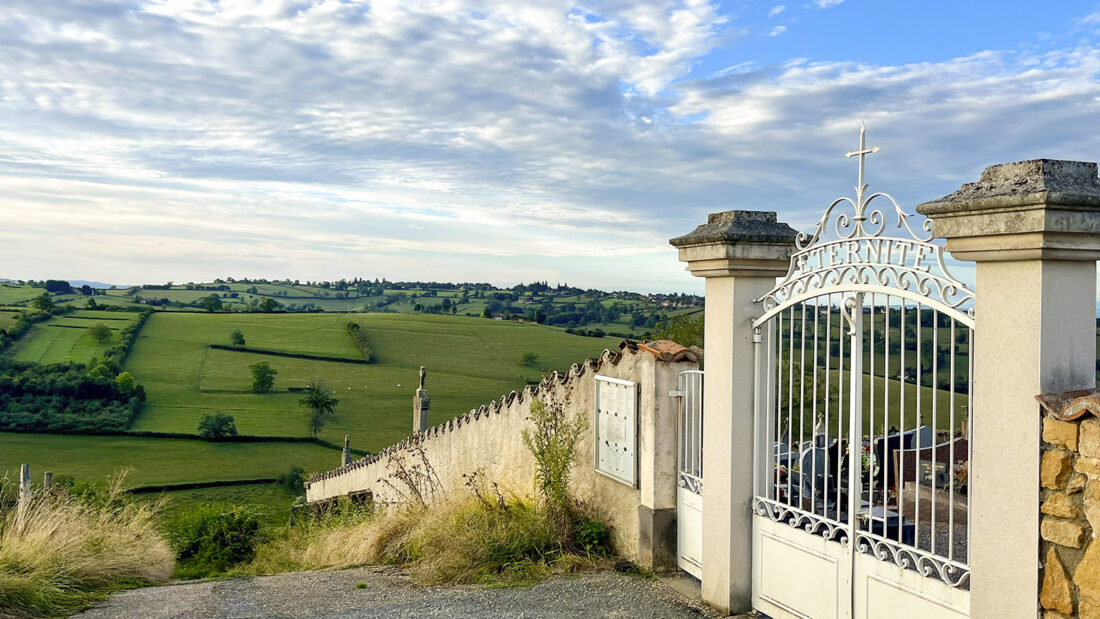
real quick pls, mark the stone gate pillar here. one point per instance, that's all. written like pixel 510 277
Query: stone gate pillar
pixel 740 253
pixel 1033 228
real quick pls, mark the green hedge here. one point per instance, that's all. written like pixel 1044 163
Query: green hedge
pixel 360 340
pixel 280 353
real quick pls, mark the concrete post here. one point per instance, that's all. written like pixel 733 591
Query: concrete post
pixel 1033 228
pixel 741 253
pixel 421 404
pixel 47 481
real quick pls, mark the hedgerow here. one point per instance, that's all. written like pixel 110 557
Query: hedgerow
pixel 360 340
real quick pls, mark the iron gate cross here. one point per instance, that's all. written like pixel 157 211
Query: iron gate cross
pixel 862 154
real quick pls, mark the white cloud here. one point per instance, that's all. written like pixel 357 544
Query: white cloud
pixel 824 4
pixel 778 30
pixel 776 10
pixel 186 139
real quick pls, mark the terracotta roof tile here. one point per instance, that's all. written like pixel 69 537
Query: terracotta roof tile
pixel 1071 404
pixel 667 350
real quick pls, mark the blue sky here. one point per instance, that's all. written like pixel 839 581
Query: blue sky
pixel 155 140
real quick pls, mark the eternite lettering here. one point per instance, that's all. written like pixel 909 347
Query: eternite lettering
pixel 899 252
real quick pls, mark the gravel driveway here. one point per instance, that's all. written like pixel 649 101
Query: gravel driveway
pixel 388 592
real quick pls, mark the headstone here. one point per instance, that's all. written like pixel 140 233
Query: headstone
pixel 346 456
pixel 421 404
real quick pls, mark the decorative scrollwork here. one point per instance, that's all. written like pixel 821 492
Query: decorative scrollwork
pixel 800 519
pixel 862 256
pixel 690 482
pixel 952 573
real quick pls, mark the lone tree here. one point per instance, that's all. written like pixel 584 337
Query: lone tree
pixel 322 406
pixel 269 305
pixel 211 303
pixel 43 303
pixel 237 338
pixel 217 426
pixel 529 359
pixel 263 376
pixel 100 332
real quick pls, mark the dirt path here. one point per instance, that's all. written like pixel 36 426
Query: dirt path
pixel 387 592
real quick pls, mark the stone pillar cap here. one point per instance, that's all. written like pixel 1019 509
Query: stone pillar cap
pixel 738 227
pixel 1041 209
pixel 738 244
pixel 1023 183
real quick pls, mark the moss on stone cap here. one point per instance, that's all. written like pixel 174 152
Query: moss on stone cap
pixel 738 227
pixel 1023 183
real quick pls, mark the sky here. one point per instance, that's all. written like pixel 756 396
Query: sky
pixel 144 141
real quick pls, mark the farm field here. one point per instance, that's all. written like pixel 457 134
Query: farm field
pixel 7 318
pixel 469 362
pixel 16 293
pixel 891 402
pixel 270 500
pixel 66 338
pixel 155 461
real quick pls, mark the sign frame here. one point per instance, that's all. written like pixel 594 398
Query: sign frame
pixel 630 478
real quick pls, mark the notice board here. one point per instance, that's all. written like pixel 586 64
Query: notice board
pixel 617 429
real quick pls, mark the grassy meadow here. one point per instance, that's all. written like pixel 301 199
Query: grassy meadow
pixel 271 501
pixel 157 461
pixel 67 337
pixel 469 362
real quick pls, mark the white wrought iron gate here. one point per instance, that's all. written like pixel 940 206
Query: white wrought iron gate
pixel 689 478
pixel 861 427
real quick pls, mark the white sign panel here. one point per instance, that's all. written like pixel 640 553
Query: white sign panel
pixel 616 429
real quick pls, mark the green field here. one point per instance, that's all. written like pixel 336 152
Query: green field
pixel 270 500
pixel 470 362
pixel 66 338
pixel 156 461
pixel 16 293
pixel 7 318
pixel 886 410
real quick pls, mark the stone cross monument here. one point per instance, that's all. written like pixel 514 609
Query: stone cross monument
pixel 421 403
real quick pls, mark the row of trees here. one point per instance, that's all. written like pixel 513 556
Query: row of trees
pixel 66 397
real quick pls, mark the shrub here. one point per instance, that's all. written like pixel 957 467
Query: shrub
pixel 59 554
pixel 125 382
pixel 263 376
pixel 217 426
pixel 100 332
pixel 210 539
pixel 529 359
pixel 592 536
pixel 552 440
pixel 236 338
pixel 293 480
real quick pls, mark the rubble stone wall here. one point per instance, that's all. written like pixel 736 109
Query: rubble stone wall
pixel 1070 521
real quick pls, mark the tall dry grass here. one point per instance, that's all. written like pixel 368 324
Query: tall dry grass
pixel 467 540
pixel 59 553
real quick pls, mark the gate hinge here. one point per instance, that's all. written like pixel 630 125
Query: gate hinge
pixel 675 393
pixel 757 337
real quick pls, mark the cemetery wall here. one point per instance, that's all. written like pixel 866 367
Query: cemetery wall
pixel 1070 515
pixel 436 464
